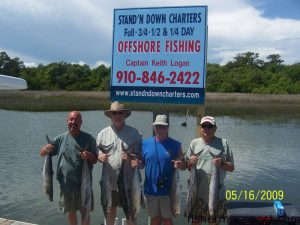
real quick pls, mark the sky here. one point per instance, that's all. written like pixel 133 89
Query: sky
pixel 81 31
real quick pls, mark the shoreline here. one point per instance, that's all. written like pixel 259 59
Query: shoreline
pixel 218 104
pixel 210 96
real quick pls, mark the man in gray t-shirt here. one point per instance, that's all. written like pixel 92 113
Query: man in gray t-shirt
pixel 209 158
pixel 70 165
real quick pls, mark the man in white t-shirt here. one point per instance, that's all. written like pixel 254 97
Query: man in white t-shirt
pixel 113 139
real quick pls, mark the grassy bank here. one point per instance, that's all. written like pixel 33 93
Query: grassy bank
pixel 255 106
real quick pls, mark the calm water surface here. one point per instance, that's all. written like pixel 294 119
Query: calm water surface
pixel 266 158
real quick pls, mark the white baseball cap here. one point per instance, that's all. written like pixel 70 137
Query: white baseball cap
pixel 208 119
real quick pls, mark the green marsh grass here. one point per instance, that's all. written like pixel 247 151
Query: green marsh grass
pixel 245 106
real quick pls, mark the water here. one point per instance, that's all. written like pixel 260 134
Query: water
pixel 266 158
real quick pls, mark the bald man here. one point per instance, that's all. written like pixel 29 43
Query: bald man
pixel 69 165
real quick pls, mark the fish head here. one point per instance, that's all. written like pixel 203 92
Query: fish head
pixel 192 153
pixel 215 155
pixel 49 141
pixel 125 148
pixel 129 150
pixel 78 147
pixel 105 149
pixel 132 155
pixel 50 197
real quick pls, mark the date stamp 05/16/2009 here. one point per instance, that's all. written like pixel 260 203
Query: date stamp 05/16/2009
pixel 254 195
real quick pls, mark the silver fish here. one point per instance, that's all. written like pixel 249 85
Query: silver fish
pixel 175 193
pixel 129 186
pixel 86 191
pixel 191 200
pixel 213 189
pixel 48 174
pixel 106 188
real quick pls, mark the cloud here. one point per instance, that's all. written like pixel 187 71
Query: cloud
pixel 30 64
pixel 99 63
pixel 28 8
pixel 81 63
pixel 245 29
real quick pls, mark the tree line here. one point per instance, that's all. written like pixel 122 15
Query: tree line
pixel 58 75
pixel 246 73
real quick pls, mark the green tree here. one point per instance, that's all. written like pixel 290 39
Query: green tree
pixel 101 78
pixel 246 73
pixel 293 72
pixel 10 66
pixel 246 59
pixel 274 59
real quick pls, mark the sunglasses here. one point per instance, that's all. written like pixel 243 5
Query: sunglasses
pixel 207 126
pixel 117 113
pixel 161 127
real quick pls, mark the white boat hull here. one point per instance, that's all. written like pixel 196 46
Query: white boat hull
pixel 12 83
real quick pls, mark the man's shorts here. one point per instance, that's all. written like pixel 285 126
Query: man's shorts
pixel 69 202
pixel 115 199
pixel 159 206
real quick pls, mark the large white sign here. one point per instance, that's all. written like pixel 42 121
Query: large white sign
pixel 159 55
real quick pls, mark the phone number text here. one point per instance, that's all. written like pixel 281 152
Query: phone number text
pixel 153 77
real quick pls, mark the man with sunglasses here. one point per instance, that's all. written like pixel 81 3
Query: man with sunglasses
pixel 206 154
pixel 112 140
pixel 161 156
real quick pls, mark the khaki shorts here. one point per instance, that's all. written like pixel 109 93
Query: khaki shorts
pixel 69 202
pixel 159 206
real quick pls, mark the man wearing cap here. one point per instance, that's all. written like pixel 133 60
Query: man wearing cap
pixel 205 153
pixel 161 154
pixel 111 140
